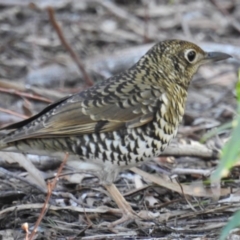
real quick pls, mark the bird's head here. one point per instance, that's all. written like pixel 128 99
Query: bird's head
pixel 179 60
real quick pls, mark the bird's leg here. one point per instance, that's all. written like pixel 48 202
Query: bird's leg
pixel 124 206
pixel 108 178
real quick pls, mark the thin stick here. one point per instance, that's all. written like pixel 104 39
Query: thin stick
pixel 26 95
pixel 225 12
pixel 13 113
pixel 51 186
pixel 68 47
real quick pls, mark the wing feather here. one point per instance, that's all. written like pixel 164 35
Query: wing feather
pixel 98 109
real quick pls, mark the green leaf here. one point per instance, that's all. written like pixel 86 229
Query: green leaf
pixel 233 223
pixel 231 150
pixel 231 155
pixel 215 131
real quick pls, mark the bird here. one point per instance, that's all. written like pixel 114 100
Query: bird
pixel 119 122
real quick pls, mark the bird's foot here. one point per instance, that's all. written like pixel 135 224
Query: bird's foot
pixel 128 216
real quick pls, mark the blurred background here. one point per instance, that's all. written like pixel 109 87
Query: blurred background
pixel 52 48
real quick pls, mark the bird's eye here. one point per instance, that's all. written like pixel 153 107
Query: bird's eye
pixel 191 55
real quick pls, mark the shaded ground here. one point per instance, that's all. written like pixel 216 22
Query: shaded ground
pixel 110 36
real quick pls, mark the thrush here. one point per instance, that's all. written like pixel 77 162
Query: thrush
pixel 120 122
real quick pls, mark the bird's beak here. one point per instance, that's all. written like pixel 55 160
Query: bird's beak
pixel 215 56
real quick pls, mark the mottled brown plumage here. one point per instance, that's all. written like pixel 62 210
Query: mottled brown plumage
pixel 122 121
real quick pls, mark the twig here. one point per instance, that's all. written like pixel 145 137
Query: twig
pixel 68 47
pixel 101 209
pixel 222 10
pixel 49 94
pixel 191 150
pixel 13 113
pixel 201 172
pixel 51 186
pixel 26 95
pixel 225 13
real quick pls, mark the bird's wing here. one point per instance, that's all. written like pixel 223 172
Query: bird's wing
pixel 101 108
